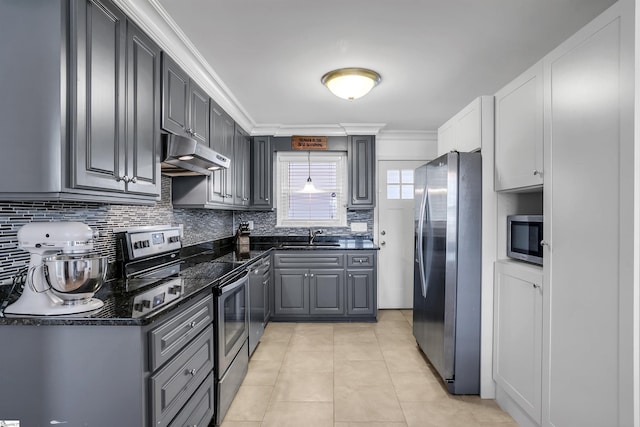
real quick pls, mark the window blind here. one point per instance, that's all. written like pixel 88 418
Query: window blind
pixel 328 173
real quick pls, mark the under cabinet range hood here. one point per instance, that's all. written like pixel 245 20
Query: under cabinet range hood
pixel 184 156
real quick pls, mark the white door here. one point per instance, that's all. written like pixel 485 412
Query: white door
pixel 395 228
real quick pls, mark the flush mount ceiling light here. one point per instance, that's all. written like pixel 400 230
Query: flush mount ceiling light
pixel 351 83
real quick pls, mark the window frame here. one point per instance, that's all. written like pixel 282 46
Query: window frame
pixel 340 157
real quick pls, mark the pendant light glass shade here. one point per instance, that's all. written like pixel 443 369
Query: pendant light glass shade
pixel 351 83
pixel 309 188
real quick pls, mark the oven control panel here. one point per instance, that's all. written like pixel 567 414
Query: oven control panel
pixel 151 242
pixel 156 297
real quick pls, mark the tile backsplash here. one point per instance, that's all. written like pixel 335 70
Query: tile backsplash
pixel 264 224
pixel 200 225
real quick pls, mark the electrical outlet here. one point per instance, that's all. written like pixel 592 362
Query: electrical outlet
pixel 250 225
pixel 358 226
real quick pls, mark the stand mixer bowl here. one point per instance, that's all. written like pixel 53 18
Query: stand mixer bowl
pixel 75 277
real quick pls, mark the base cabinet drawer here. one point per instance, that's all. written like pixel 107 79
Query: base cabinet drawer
pixel 173 385
pixel 167 339
pixel 200 408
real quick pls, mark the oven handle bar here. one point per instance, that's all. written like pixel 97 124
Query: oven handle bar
pixel 235 283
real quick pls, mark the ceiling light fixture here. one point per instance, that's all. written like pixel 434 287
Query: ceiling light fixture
pixel 351 83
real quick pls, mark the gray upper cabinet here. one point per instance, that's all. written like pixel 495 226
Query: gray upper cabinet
pixel 241 166
pixel 90 92
pixel 222 141
pixel 261 172
pixel 185 106
pixel 143 112
pixel 115 144
pixel 362 158
pixel 199 114
pixel 98 146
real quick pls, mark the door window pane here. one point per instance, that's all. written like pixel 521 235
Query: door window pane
pixel 407 176
pixel 393 191
pixel 407 192
pixel 393 176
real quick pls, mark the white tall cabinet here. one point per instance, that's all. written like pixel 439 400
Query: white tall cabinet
pixel 584 365
pixel 580 372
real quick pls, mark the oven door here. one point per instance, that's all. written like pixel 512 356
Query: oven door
pixel 233 322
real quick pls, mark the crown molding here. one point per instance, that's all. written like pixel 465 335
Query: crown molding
pixel 341 129
pixel 408 135
pixel 153 19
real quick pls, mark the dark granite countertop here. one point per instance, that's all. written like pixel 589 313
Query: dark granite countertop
pixel 199 274
pixel 202 268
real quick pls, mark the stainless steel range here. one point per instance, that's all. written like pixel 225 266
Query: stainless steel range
pixel 150 258
pixel 155 276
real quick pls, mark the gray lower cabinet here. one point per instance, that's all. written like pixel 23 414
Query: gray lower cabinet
pixel 316 285
pixel 112 375
pixel 91 93
pixel 361 283
pixel 326 292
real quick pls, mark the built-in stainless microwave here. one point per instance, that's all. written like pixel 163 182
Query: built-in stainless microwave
pixel 524 238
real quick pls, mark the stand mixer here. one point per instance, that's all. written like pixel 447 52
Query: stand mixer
pixel 63 274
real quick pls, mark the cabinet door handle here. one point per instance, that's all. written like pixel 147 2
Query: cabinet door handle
pixel 124 178
pixel 306 275
pixel 544 243
pixel 536 172
pixel 383 243
pixel 536 286
pixel 266 199
pixel 133 180
pixel 350 275
pixel 311 275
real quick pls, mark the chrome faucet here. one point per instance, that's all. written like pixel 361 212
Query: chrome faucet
pixel 313 234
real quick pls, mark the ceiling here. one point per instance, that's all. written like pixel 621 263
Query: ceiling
pixel 434 56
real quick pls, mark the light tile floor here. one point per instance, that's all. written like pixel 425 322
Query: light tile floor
pixel 350 375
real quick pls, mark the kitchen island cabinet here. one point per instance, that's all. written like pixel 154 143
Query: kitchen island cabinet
pixel 86 139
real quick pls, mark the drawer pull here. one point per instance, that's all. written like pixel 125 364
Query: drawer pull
pixel 192 324
pixel 192 372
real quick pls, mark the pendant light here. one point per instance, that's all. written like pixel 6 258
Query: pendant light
pixel 309 188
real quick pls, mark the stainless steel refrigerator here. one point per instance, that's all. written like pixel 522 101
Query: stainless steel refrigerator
pixel 446 303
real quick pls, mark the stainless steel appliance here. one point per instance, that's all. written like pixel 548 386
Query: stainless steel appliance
pixel 63 273
pixel 446 312
pixel 184 156
pixel 524 238
pixel 232 349
pixel 258 300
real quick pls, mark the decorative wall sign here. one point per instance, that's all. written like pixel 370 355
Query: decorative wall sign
pixel 308 142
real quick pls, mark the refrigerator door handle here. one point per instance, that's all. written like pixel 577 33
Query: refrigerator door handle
pixel 419 243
